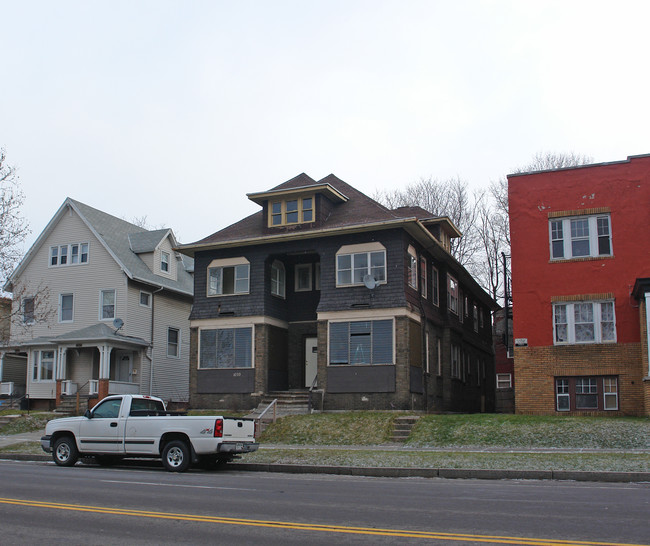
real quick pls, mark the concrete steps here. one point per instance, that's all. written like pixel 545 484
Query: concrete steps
pixel 402 428
pixel 68 405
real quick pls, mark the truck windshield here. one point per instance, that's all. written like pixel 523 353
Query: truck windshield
pixel 146 404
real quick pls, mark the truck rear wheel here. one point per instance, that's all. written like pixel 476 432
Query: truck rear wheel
pixel 65 451
pixel 176 456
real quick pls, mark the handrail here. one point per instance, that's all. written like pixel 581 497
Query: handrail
pixel 258 419
pixel 311 390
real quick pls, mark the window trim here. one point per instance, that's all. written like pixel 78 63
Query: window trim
pixel 412 268
pixel 296 278
pixel 61 319
pixel 599 383
pixel 352 250
pixel 570 323
pixel 423 278
pixel 300 211
pixel 165 262
pixel 57 252
pixel 281 281
pixel 102 305
pixel 29 318
pixel 349 321
pixel 435 289
pixel 567 238
pixel 227 263
pixel 233 327
pixel 453 294
pixel 504 381
pixel 37 361
pixel 178 342
pixel 149 296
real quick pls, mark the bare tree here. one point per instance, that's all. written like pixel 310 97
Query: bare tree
pixel 450 198
pixel 13 226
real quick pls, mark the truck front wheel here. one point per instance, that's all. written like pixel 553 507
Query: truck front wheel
pixel 65 451
pixel 176 456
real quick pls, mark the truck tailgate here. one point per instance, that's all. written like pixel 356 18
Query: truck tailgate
pixel 238 429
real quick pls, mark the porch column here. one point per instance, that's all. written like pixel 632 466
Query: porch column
pixel 61 363
pixel 104 370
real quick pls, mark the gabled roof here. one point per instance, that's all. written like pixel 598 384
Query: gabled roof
pixel 118 237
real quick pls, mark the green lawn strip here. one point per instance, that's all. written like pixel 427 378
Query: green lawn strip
pixel 25 423
pixel 27 448
pixel 610 462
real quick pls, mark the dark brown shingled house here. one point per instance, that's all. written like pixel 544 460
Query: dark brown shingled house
pixel 325 288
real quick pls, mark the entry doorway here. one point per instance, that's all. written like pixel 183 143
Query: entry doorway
pixel 311 360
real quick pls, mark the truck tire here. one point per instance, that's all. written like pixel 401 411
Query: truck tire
pixel 176 456
pixel 65 451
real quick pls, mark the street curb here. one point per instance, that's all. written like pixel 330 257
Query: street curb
pixel 398 472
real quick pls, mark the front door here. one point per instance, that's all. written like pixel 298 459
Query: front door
pixel 311 360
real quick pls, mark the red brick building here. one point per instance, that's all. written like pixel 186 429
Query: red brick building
pixel 581 283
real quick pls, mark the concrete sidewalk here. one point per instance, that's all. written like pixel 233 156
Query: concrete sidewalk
pixel 392 472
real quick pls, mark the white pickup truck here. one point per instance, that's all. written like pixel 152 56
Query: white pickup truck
pixel 139 426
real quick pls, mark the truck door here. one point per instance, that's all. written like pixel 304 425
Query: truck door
pixel 103 432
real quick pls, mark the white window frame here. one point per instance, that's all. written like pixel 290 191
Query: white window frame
pixel 29 318
pixel 412 268
pixel 239 266
pixel 368 250
pixel 278 279
pixel 475 316
pixel 165 262
pixel 171 344
pixel 561 233
pixel 37 375
pixel 297 269
pixel 562 392
pixel 453 296
pixel 102 294
pixel 504 381
pixel 149 295
pixel 79 250
pixel 61 296
pixel 572 322
pixel 608 394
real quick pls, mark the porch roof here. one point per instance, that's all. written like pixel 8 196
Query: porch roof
pixel 100 333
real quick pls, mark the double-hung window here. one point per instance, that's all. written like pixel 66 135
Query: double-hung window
pixel 423 277
pixel 28 310
pixel 164 262
pixel 72 254
pixel 43 366
pixel 361 342
pixel 107 305
pixel 599 393
pixel 435 286
pixel 227 277
pixel 452 295
pixel 354 262
pixel 580 237
pixel 412 272
pixel 584 322
pixel 66 308
pixel 226 348
pixel 278 279
pixel 173 342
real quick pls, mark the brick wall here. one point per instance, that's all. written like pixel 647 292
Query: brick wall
pixel 537 367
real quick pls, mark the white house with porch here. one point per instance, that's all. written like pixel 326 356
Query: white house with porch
pixel 101 307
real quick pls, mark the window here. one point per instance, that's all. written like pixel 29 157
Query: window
pixel 435 286
pixel 475 316
pixel 110 409
pixel 317 276
pixel 352 264
pixel 504 381
pixel 361 342
pixel 107 305
pixel 303 277
pixel 28 310
pixel 164 262
pixel 423 276
pixel 228 279
pixel 292 211
pixel 586 393
pixel 72 254
pixel 43 366
pixel 278 279
pixel 173 342
pixel 226 348
pixel 145 299
pixel 452 294
pixel 455 361
pixel 66 307
pixel 580 236
pixel 412 272
pixel 584 322
pixel 439 356
pixel 481 318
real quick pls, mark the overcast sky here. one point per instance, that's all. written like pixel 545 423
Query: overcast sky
pixel 174 110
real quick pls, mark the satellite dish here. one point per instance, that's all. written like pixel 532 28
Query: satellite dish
pixel 118 323
pixel 369 281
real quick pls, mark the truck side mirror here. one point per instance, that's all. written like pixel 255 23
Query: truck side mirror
pixel 87 414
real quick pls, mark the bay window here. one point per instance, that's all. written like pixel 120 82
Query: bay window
pixel 354 262
pixel 228 277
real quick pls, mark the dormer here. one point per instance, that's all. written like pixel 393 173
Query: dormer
pixel 297 206
pixel 156 250
pixel 443 229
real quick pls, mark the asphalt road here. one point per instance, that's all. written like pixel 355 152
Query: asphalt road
pixel 40 502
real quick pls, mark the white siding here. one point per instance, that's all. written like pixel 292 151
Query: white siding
pixel 165 246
